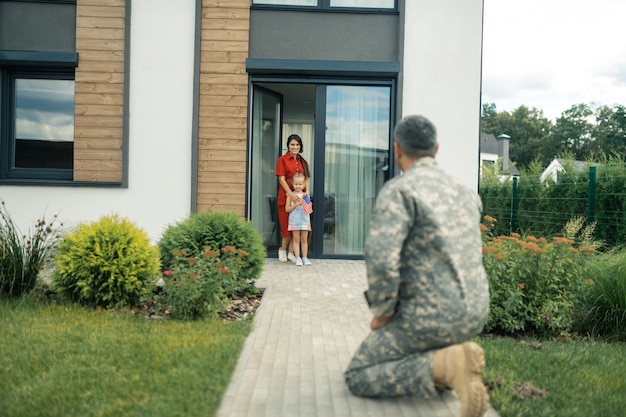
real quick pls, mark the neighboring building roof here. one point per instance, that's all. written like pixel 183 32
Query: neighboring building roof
pixel 489 144
pixel 557 165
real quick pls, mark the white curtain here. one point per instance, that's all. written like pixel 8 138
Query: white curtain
pixel 357 147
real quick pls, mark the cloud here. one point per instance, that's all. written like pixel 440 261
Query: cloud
pixel 552 55
pixel 45 109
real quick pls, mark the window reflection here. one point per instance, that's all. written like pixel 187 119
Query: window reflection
pixel 365 4
pixel 288 2
pixel 44 123
pixel 357 4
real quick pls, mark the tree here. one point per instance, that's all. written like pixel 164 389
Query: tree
pixel 610 130
pixel 584 131
pixel 528 129
pixel 573 131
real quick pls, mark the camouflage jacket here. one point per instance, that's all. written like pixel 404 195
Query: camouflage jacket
pixel 423 250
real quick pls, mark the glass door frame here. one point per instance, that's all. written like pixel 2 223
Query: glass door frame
pixel 317 222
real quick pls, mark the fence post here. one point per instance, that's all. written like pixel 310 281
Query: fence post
pixel 513 224
pixel 591 195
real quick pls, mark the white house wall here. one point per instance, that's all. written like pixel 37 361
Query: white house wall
pixel 161 101
pixel 442 77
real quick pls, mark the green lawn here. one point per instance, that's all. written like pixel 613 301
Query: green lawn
pixel 60 360
pixel 64 360
pixel 569 378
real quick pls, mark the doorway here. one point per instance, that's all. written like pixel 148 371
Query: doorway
pixel 346 130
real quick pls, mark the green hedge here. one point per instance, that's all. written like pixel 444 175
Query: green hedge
pixel 543 209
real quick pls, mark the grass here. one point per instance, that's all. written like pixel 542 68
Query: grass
pixel 579 378
pixel 65 360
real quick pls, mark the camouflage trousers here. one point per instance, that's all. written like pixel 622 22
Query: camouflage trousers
pixel 396 359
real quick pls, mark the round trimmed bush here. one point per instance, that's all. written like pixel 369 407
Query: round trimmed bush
pixel 216 230
pixel 107 263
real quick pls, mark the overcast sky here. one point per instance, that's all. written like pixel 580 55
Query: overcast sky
pixel 552 54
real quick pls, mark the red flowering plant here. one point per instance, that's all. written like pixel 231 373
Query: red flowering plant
pixel 199 287
pixel 533 281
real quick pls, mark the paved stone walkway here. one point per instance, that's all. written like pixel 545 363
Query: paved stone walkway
pixel 310 322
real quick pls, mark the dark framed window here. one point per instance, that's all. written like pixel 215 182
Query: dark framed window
pixel 37 135
pixel 338 5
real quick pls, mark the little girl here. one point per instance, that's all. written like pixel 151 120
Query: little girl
pixel 299 220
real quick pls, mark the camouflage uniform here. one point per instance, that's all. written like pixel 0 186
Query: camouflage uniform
pixel 424 262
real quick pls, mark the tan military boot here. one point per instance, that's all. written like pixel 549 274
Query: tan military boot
pixel 459 367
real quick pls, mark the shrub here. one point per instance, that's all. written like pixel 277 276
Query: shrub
pixel 23 256
pixel 197 287
pixel 107 263
pixel 216 230
pixel 533 282
pixel 602 307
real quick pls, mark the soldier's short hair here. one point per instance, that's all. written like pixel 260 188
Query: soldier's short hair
pixel 416 136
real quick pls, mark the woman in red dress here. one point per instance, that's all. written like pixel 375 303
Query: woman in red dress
pixel 286 166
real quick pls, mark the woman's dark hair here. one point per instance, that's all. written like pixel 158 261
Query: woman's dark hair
pixel 305 164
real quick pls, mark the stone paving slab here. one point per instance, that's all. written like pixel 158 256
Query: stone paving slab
pixel 310 321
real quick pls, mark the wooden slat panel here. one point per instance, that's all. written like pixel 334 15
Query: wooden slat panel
pixel 98 11
pixel 215 100
pixel 222 177
pixel 98 165
pixel 100 77
pixel 212 45
pixel 229 24
pixel 222 78
pixel 225 13
pixel 222 166
pixel 221 122
pixel 96 142
pixel 221 199
pixel 98 121
pixel 238 209
pixel 89 133
pixel 215 111
pixel 97 110
pixel 100 22
pixel 99 33
pixel 221 144
pixel 224 89
pixel 223 105
pixel 99 90
pixel 99 44
pixel 222 155
pixel 104 99
pixel 230 68
pixel 228 3
pixel 97 154
pixel 98 55
pixel 226 134
pixel 116 3
pixel 223 57
pixel 225 35
pixel 222 188
pixel 106 67
pixel 97 176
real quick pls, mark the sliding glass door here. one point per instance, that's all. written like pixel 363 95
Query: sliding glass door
pixel 356 162
pixel 346 134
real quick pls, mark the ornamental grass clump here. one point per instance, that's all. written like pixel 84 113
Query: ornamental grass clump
pixel 534 282
pixel 217 230
pixel 197 287
pixel 22 257
pixel 601 309
pixel 108 263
